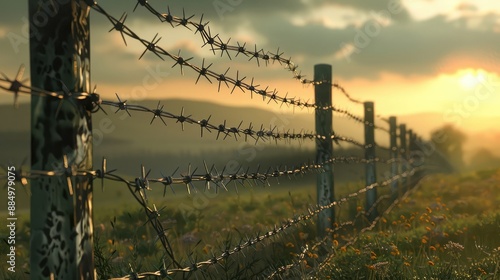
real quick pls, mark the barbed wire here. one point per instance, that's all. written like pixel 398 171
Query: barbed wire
pixel 312 212
pixel 222 78
pixel 338 227
pixel 95 103
pixel 138 187
pixel 210 175
pixel 262 134
pixel 216 43
pixel 141 184
pixel 370 227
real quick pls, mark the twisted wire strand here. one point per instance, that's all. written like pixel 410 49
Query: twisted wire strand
pixel 296 220
pixel 119 25
pixel 17 85
pixel 235 131
pixel 369 227
pixel 312 247
pixel 95 103
pixel 207 176
pixel 140 184
pixel 216 43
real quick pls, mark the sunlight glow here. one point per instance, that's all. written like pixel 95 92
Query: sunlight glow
pixel 470 78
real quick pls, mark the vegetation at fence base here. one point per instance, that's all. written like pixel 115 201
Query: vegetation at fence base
pixel 447 229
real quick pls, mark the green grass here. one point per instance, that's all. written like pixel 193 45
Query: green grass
pixel 446 229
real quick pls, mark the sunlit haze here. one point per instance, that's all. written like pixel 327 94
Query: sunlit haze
pixel 438 59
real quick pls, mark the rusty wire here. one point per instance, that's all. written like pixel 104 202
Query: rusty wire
pixel 209 75
pixel 141 184
pixel 276 230
pixel 216 43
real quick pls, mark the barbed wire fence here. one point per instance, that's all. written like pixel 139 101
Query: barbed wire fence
pixel 406 161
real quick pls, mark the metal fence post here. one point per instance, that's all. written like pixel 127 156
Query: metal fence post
pixel 324 147
pixel 371 177
pixel 403 155
pixel 411 149
pixel 394 155
pixel 61 242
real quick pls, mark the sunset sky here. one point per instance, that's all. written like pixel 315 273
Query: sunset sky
pixel 409 57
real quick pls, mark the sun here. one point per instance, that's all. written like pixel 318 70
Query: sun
pixel 470 78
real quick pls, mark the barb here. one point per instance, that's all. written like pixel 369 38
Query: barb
pixel 236 132
pixel 369 227
pixel 211 174
pixel 139 186
pixel 151 46
pixel 337 227
pixel 312 212
pixel 17 86
pixel 95 103
pixel 216 43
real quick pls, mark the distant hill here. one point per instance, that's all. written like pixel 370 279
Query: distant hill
pixel 133 140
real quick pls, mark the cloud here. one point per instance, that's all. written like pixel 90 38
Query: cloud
pixel 377 5
pixel 467 7
pixel 404 46
pixel 420 48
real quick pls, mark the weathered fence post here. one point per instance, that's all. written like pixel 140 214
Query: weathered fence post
pixel 324 147
pixel 371 175
pixel 403 155
pixel 411 149
pixel 61 243
pixel 394 156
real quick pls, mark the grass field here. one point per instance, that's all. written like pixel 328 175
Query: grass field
pixel 447 228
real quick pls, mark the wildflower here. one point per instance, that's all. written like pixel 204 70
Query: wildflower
pixel 371 267
pixel 373 256
pixel 207 248
pixel 431 263
pixel 289 245
pixel 429 210
pixel 303 235
pixel 395 250
pixel 357 251
pixel 131 248
pixel 335 243
pixel 424 241
pixel 406 263
pixel 428 228
pixel 343 249
pixel 432 248
pixel 482 271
